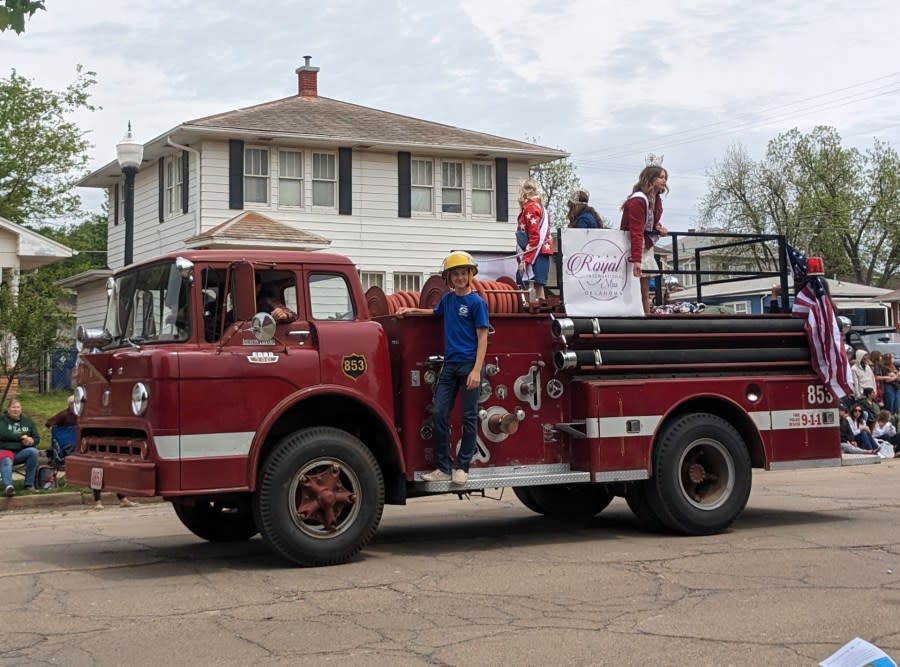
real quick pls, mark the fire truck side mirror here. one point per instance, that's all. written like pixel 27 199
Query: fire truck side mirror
pixel 263 327
pixel 244 291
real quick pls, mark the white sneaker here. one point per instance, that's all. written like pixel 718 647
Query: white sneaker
pixel 437 475
pixel 10 491
pixel 460 477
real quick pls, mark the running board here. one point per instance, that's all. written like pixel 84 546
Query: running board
pixel 500 477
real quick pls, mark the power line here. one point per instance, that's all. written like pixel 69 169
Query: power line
pixel 754 118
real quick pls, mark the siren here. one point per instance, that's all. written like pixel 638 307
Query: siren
pixel 815 266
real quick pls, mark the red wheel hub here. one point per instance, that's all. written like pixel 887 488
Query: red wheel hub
pixel 323 497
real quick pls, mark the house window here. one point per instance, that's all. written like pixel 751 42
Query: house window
pixel 324 179
pixel 290 178
pixel 174 183
pixel 407 282
pixel 451 187
pixel 371 279
pixel 422 182
pixel 482 189
pixel 256 175
pixel 738 307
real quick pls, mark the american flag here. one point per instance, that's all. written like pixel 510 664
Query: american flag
pixel 829 358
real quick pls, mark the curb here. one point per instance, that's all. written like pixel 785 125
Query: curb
pixel 72 499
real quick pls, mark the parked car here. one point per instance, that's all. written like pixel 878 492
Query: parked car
pixel 883 339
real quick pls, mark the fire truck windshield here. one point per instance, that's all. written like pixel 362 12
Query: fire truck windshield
pixel 149 305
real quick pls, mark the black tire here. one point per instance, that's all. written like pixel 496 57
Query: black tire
pixel 319 497
pixel 523 493
pixel 217 521
pixel 701 475
pixel 636 497
pixel 566 500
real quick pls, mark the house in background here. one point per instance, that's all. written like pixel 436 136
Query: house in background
pixel 393 193
pixel 22 249
pixel 864 305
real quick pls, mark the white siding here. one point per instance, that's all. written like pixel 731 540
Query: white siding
pixel 91 310
pixel 373 236
pixel 152 237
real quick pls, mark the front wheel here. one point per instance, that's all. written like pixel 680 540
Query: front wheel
pixel 217 520
pixel 319 497
pixel 701 475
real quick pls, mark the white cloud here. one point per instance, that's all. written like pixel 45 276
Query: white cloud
pixel 608 81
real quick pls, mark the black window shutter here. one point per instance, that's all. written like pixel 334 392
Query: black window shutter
pixel 162 188
pixel 116 204
pixel 345 181
pixel 502 192
pixel 404 189
pixel 235 174
pixel 185 180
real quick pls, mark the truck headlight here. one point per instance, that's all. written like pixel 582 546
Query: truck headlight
pixel 80 399
pixel 139 399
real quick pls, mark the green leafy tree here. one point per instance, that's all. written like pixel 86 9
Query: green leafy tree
pixel 556 180
pixel 839 203
pixel 32 324
pixel 14 12
pixel 42 153
pixel 88 238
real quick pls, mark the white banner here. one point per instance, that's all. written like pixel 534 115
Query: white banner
pixel 597 278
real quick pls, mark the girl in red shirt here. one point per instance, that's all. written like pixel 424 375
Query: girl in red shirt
pixel 641 214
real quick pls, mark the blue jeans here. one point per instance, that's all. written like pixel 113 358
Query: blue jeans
pixel 891 398
pixel 865 440
pixel 28 456
pixel 453 378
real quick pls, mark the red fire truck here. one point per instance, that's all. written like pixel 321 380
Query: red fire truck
pixel 301 431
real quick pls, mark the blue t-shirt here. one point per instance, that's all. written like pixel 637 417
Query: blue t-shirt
pixel 463 315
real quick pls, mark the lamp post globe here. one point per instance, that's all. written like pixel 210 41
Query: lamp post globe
pixel 129 153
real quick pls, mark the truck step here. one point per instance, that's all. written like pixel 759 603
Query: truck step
pixel 500 477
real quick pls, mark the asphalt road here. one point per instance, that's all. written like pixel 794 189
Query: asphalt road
pixel 813 562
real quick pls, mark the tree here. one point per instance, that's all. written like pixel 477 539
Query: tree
pixel 14 12
pixel 87 237
pixel 828 200
pixel 42 154
pixel 556 181
pixel 32 324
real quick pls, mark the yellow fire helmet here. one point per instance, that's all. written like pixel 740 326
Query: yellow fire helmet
pixel 456 259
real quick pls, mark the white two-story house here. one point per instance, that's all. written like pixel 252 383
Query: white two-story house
pixel 393 193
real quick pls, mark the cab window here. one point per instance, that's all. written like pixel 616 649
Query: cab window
pixel 330 297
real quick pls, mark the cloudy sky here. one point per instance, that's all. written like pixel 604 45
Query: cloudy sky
pixel 607 81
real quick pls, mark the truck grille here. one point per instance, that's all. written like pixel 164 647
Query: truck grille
pixel 130 447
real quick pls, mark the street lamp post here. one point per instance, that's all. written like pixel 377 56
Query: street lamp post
pixel 129 153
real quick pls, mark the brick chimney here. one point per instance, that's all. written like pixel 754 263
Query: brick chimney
pixel 306 79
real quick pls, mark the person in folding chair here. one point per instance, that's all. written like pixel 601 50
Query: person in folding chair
pixel 20 437
pixel 62 427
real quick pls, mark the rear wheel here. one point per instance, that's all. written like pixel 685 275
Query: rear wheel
pixel 320 497
pixel 571 500
pixel 217 520
pixel 701 475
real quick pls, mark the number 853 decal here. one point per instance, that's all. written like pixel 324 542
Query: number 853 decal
pixel 354 366
pixel 816 393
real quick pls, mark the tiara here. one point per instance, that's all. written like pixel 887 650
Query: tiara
pixel 654 160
